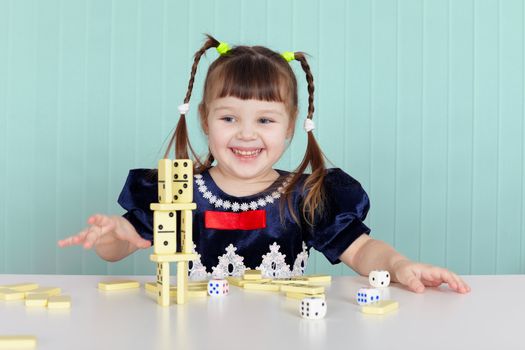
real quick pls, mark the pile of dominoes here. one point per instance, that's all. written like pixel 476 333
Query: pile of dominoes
pixel 172 220
pixel 35 296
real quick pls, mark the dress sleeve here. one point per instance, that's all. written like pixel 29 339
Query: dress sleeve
pixel 341 222
pixel 139 191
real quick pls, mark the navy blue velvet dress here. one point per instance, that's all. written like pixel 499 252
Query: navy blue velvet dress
pixel 280 249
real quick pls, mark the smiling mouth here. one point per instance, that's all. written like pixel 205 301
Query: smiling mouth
pixel 246 154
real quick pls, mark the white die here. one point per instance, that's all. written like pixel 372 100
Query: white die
pixel 217 287
pixel 379 279
pixel 367 296
pixel 313 308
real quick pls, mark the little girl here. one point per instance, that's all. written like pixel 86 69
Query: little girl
pixel 270 218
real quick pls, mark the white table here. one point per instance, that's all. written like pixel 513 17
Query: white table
pixel 490 317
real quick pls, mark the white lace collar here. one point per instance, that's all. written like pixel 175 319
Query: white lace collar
pixel 235 206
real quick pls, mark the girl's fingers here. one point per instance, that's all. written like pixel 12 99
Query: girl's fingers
pixel 92 236
pixel 415 284
pixel 73 240
pixel 102 220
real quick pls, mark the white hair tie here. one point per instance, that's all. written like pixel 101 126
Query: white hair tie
pixel 309 125
pixel 184 108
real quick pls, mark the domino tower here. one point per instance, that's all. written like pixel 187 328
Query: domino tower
pixel 172 222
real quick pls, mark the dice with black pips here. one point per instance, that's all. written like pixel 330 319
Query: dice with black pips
pixel 379 278
pixel 313 308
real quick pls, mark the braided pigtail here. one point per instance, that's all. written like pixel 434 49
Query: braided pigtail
pixel 180 136
pixel 314 201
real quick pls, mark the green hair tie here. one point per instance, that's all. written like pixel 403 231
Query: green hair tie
pixel 288 56
pixel 223 48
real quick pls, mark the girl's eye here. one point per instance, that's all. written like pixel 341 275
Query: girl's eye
pixel 265 121
pixel 228 118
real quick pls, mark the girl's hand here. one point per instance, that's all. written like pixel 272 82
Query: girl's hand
pixel 105 229
pixel 417 276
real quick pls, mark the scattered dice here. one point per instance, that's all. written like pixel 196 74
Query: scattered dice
pixel 379 279
pixel 367 296
pixel 313 308
pixel 217 287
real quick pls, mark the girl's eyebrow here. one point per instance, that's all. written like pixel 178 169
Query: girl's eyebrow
pixel 272 111
pixel 228 108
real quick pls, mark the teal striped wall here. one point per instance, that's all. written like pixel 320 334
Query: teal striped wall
pixel 421 101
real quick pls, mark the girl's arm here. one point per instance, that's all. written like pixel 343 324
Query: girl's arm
pixel 113 237
pixel 366 254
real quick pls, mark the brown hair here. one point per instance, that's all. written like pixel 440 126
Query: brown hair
pixel 256 72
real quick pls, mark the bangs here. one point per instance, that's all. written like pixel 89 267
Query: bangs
pixel 250 78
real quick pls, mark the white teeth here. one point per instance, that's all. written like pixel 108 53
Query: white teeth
pixel 246 153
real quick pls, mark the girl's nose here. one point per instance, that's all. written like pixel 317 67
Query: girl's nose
pixel 247 132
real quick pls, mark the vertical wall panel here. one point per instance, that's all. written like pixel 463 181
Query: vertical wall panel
pixel 485 156
pixel 20 225
pixel 434 131
pixel 459 153
pixel 5 16
pixel 510 137
pixel 383 118
pixel 46 138
pixel 408 127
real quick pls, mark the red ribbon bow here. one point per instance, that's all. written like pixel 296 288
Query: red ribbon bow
pixel 223 220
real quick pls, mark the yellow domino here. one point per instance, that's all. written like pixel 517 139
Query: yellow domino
pixel 252 275
pixel 150 287
pixel 190 293
pixel 17 341
pixel 235 281
pixel 195 284
pixel 182 282
pixel 182 181
pixel 173 206
pixel 118 285
pixel 173 257
pixel 298 288
pixel 239 282
pixel 22 287
pixel 49 291
pixel 314 278
pixel 59 302
pixel 9 294
pixel 37 299
pixel 290 281
pixel 164 181
pixel 301 296
pixel 380 308
pixel 164 232
pixel 266 286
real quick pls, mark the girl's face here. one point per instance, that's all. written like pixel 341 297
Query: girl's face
pixel 247 137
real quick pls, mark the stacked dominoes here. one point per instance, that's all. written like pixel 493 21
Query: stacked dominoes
pixel 33 295
pixel 175 184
